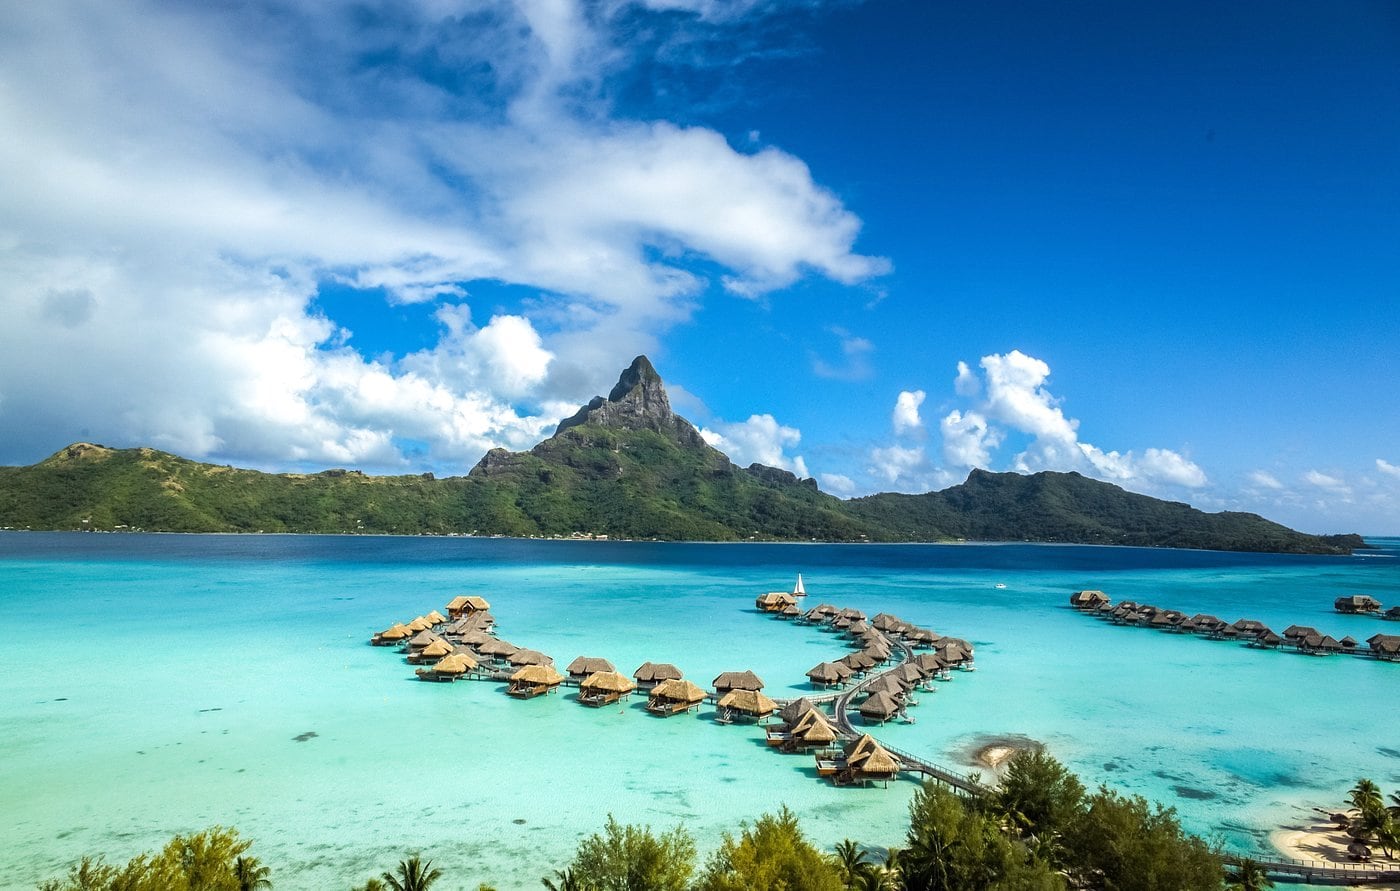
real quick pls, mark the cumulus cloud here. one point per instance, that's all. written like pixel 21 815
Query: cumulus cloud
pixel 760 439
pixel 1012 395
pixel 838 484
pixel 906 411
pixel 1387 468
pixel 174 194
pixel 907 469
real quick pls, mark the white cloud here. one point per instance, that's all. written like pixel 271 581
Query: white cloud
pixel 967 439
pixel 173 194
pixel 1013 396
pixel 760 439
pixel 1264 480
pixel 907 469
pixel 838 484
pixel 1387 468
pixel 906 411
pixel 1323 480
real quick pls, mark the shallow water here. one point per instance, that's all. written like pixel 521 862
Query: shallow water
pixel 159 684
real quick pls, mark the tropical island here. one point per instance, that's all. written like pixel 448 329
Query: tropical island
pixel 624 466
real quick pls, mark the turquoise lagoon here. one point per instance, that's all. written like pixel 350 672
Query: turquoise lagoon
pixel 155 684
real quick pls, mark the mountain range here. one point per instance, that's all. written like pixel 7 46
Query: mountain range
pixel 624 466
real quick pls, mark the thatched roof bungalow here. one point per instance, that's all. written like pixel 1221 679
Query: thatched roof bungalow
pixel 811 730
pixel 1266 639
pixel 828 674
pixel 436 617
pixel 737 680
pixel 448 668
pixel 885 621
pixel 1087 599
pixel 394 634
pixel 583 666
pixel 1294 632
pixel 853 614
pixel 604 687
pixel 419 624
pixel 674 695
pixel 858 662
pixel 774 601
pixel 534 680
pixel 749 703
pixel 422 639
pixel 529 657
pixel 464 604
pixel 649 674
pixel 431 653
pixel 1385 646
pixel 1393 613
pixel 1357 603
pixel 1319 644
pixel 495 648
pixel 879 708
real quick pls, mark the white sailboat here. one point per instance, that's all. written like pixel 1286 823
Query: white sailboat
pixel 798 590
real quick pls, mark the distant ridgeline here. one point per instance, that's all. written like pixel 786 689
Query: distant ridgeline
pixel 626 467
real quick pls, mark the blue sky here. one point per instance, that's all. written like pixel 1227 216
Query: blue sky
pixel 876 243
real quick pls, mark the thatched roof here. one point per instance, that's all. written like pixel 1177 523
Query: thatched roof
pixel 929 662
pixel 529 657
pixel 586 665
pixel 880 705
pixel 608 682
pixel 879 649
pixel 750 702
pixel 793 711
pixel 910 673
pixel 1293 632
pixel 824 609
pixel 538 674
pixel 1388 644
pixel 885 621
pixel 455 663
pixel 827 673
pixel 858 661
pixel 921 635
pixel 1357 603
pixel 878 763
pixel 862 747
pixel 475 603
pixel 1349 642
pixel 436 648
pixel 419 624
pixel 650 672
pixel 456 603
pixel 791 610
pixel 774 600
pixel 853 614
pixel 423 638
pixel 1088 598
pixel 395 632
pixel 889 683
pixel 858 627
pixel 813 727
pixel 435 617
pixel 678 690
pixel 738 680
pixel 475 638
pixel 497 647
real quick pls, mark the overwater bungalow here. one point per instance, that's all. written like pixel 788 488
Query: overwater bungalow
pixel 858 662
pixel 436 617
pixel 793 711
pixel 584 666
pixel 422 639
pixel 812 730
pixel 497 650
pixel 448 668
pixel 1088 599
pixel 1203 623
pixel 790 612
pixel 921 637
pixel 887 683
pixel 1392 614
pixel 1249 627
pixel 745 703
pixel 1384 646
pixel 911 674
pixel 1348 643
pixel 952 654
pixel 462 605
pixel 674 695
pixel 604 687
pixel 828 674
pixel 419 624
pixel 529 657
pixel 1293 632
pixel 534 680
pixel 877 649
pixel 879 708
pixel 474 638
pixel 822 611
pixel 1266 639
pixel 431 653
pixel 854 615
pixel 1318 644
pixel 885 621
pixel 928 662
pixel 774 601
pixel 737 680
pixel 842 623
pixel 857 628
pixel 649 674
pixel 1357 603
pixel 391 636
pixel 865 760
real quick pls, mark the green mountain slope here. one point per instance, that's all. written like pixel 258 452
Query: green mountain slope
pixel 625 466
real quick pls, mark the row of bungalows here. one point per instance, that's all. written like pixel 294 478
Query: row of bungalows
pixel 740 697
pixel 1364 604
pixel 805 727
pixel 1304 638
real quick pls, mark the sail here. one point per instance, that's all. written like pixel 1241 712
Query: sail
pixel 798 590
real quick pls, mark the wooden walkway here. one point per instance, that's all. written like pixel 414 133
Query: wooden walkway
pixel 1317 872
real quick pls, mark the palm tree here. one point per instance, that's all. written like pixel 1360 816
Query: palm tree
pixel 251 875
pixel 1395 808
pixel 414 875
pixel 850 861
pixel 1249 876
pixel 1365 796
pixel 371 885
pixel 567 881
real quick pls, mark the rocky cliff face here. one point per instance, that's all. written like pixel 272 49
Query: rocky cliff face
pixel 637 402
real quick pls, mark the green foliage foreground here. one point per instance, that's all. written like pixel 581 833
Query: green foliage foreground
pixel 1039 832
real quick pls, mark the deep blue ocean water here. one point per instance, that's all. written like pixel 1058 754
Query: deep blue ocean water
pixel 155 684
